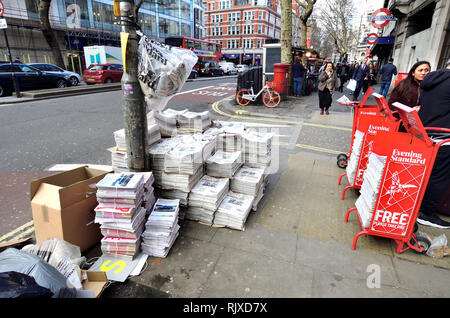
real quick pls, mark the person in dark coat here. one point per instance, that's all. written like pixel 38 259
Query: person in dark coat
pixel 435 112
pixel 371 79
pixel 343 76
pixel 407 91
pixel 327 83
pixel 298 73
pixel 386 72
pixel 361 73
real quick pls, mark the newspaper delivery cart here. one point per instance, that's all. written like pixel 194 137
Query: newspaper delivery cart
pixel 369 123
pixel 395 181
pixel 342 159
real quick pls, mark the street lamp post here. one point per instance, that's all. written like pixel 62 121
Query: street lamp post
pixel 133 102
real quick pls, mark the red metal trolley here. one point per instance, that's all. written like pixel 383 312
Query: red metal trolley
pixel 368 124
pixel 409 161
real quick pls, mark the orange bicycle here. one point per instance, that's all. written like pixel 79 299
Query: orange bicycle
pixel 271 97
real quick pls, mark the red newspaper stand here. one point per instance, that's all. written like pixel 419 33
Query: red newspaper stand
pixel 342 158
pixel 369 122
pixel 409 159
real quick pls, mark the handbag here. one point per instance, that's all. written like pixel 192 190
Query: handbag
pixel 351 84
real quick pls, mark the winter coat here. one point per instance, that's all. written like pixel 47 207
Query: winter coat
pixel 359 75
pixel 386 72
pixel 435 99
pixel 410 99
pixel 326 82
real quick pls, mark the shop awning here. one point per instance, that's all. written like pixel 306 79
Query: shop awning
pixel 382 46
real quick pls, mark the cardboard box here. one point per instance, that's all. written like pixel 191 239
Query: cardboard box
pixel 94 281
pixel 63 206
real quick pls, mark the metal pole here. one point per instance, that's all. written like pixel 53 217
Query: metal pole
pixel 133 102
pixel 14 78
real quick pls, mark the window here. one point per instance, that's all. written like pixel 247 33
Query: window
pixel 5 68
pixel 420 19
pixel 50 68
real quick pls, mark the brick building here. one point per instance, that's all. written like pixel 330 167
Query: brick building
pixel 242 27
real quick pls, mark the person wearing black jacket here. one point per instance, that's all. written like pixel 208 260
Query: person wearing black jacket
pixel 361 73
pixel 435 112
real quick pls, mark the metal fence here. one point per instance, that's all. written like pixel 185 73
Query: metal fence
pixel 253 75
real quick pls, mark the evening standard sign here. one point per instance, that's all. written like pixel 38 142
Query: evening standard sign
pixel 3 24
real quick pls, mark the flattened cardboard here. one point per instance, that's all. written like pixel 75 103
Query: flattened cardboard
pixel 63 204
pixel 95 281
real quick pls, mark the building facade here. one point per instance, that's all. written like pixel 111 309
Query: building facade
pixel 82 23
pixel 421 31
pixel 242 27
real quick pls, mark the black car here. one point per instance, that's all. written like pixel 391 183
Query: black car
pixel 194 74
pixel 29 78
pixel 210 68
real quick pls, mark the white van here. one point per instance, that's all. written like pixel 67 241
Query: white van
pixel 228 68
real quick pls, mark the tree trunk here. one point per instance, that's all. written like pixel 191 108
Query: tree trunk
pixel 286 31
pixel 304 32
pixel 49 33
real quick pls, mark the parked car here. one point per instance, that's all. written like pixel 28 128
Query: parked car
pixel 210 68
pixel 74 78
pixel 29 78
pixel 228 68
pixel 103 73
pixel 241 68
pixel 194 74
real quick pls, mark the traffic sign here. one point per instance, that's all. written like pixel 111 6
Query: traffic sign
pixel 381 15
pixel 371 38
pixel 3 24
pixel 2 8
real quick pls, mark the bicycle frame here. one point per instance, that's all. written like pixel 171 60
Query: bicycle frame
pixel 252 95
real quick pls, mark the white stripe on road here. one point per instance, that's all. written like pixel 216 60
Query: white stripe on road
pixel 193 90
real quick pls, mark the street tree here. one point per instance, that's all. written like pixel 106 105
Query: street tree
pixel 308 7
pixel 48 32
pixel 336 20
pixel 286 31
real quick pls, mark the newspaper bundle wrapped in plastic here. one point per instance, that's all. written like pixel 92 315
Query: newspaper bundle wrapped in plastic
pixel 247 180
pixel 234 210
pixel 205 198
pixel 257 148
pixel 161 228
pixel 153 135
pixel 208 141
pixel 157 153
pixel 354 156
pixel 192 122
pixel 120 247
pixel 182 182
pixel 230 136
pixel 184 158
pixel 223 164
pixel 162 70
pixel 167 121
pixel 370 187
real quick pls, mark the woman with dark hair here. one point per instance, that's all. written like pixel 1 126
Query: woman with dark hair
pixel 327 82
pixel 370 81
pixel 407 92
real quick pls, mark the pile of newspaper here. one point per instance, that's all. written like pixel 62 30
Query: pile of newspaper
pixel 223 164
pixel 257 148
pixel 205 198
pixel 119 152
pixel 247 181
pixel 161 228
pixel 184 158
pixel 167 121
pixel 234 210
pixel 120 213
pixel 370 187
pixel 352 165
pixel 230 136
pixel 173 121
pixel 157 153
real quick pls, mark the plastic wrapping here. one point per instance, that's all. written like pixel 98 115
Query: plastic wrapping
pixel 162 70
pixel 18 285
pixel 43 273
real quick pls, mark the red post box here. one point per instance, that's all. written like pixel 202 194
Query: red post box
pixel 281 78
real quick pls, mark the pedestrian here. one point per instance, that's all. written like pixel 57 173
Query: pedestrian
pixel 343 75
pixel 17 60
pixel 407 91
pixel 298 73
pixel 371 79
pixel 327 82
pixel 435 112
pixel 361 73
pixel 386 72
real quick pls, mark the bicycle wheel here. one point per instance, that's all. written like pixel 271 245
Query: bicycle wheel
pixel 271 98
pixel 240 100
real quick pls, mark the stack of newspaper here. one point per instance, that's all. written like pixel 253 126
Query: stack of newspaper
pixel 206 197
pixel 257 148
pixel 223 164
pixel 181 182
pixel 247 181
pixel 192 122
pixel 234 210
pixel 161 228
pixel 167 121
pixel 120 213
pixel 184 158
pixel 352 165
pixel 157 154
pixel 230 136
pixel 174 194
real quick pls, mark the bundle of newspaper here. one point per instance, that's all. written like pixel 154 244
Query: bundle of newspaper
pixel 230 136
pixel 167 121
pixel 234 210
pixel 206 197
pixel 184 158
pixel 257 148
pixel 157 153
pixel 352 165
pixel 223 164
pixel 181 182
pixel 119 161
pixel 208 140
pixel 153 135
pixel 173 194
pixel 120 211
pixel 161 228
pixel 247 181
pixel 191 122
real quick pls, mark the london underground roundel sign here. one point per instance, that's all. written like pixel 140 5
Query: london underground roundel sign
pixel 2 9
pixel 371 38
pixel 381 15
